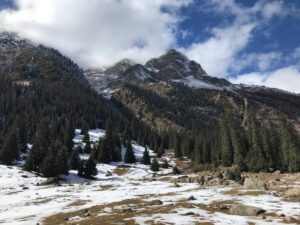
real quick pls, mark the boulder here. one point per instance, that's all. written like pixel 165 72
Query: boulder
pixel 292 193
pixel 224 206
pixel 192 198
pixel 189 214
pixel 156 202
pixel 245 210
pixel 175 185
pixel 254 184
pixel 108 174
pixel 292 219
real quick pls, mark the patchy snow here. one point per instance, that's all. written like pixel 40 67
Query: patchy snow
pixel 22 206
pixel 196 83
pixel 24 202
pixel 94 135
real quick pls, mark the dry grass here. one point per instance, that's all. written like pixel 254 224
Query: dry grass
pixel 237 192
pixel 77 203
pixel 120 171
pixel 106 187
pixel 137 207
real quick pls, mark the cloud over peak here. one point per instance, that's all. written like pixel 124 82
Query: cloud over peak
pixel 97 32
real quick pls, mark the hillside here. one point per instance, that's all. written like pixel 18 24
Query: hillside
pixel 216 121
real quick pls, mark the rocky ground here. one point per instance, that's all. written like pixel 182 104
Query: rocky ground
pixel 132 194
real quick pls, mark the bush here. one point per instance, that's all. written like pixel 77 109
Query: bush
pixel 234 174
pixel 165 164
pixel 154 165
pixel 176 171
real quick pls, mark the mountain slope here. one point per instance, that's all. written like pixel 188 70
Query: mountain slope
pixel 217 122
pixel 41 88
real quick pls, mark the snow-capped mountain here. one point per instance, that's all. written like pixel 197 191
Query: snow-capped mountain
pixel 171 67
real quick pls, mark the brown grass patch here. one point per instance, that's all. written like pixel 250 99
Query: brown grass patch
pixel 137 207
pixel 77 203
pixel 120 171
pixel 39 201
pixel 237 192
pixel 106 187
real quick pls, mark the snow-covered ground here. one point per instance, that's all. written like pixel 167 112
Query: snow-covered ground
pixel 24 202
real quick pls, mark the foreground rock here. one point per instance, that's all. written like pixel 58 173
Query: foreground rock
pixel 245 210
pixel 156 202
pixel 293 194
pixel 253 183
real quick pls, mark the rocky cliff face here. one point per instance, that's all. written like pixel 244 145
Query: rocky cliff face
pixel 188 93
pixel 24 60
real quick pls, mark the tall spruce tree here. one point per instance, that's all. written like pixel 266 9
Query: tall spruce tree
pixel 129 155
pixel 154 165
pixel 48 166
pixel 87 147
pixel 226 144
pixel 177 152
pixel 9 151
pixel 74 161
pixel 41 143
pixel 61 161
pixel 107 145
pixel 90 168
pixel 69 135
pixel 146 157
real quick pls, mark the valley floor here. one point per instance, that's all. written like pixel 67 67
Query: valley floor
pixel 126 197
pixel 132 194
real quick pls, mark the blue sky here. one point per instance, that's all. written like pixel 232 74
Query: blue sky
pixel 280 33
pixel 245 41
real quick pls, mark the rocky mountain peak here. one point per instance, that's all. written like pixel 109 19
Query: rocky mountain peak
pixel 175 65
pixel 119 68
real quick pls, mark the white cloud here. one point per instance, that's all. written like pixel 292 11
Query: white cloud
pixel 270 9
pixel 258 61
pixel 217 54
pixel 97 32
pixel 287 78
pixel 220 54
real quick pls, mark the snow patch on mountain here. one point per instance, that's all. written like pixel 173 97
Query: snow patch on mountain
pixel 196 83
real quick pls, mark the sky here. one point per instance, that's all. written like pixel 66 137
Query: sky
pixel 245 41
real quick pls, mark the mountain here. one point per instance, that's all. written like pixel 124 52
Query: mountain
pixel 170 102
pixel 217 122
pixel 170 67
pixel 42 91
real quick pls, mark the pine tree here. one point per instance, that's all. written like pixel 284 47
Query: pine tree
pixel 175 170
pixel 109 146
pixel 87 147
pixel 197 157
pixel 41 143
pixel 61 161
pixel 129 155
pixel 105 151
pixel 154 165
pixel 290 147
pixel 116 154
pixel 146 157
pixel 85 129
pixel 165 164
pixel 74 162
pixel 90 168
pixel 81 168
pixel 178 153
pixel 255 157
pixel 48 168
pixel 226 145
pixel 9 151
pixel 69 135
